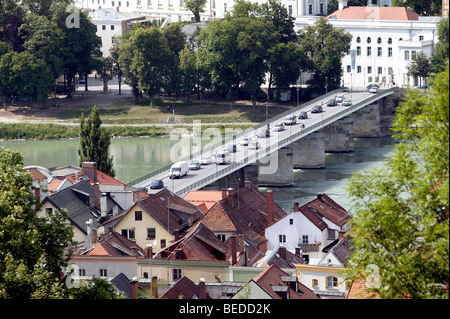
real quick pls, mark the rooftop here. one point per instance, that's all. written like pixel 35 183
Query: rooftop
pixel 374 13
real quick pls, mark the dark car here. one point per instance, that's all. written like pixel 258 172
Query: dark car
pixel 316 109
pixel 157 184
pixel 331 102
pixel 373 85
pixel 303 115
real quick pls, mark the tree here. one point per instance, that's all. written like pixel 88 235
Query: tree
pixel 400 221
pixel 422 7
pixel 94 143
pixel 196 7
pixel 176 40
pixel 324 47
pixel 188 71
pixel 31 248
pixel 440 56
pixel 419 66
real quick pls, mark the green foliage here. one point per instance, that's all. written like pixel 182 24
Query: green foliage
pixel 94 143
pixel 97 288
pixel 419 66
pixel 440 56
pixel 422 7
pixel 31 248
pixel 400 212
pixel 196 7
pixel 325 47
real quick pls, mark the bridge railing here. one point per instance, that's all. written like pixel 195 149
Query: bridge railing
pixel 228 139
pixel 223 171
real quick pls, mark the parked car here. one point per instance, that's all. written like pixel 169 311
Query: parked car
pixel 316 109
pixel 290 120
pixel 157 184
pixel 231 148
pixel 303 115
pixel 339 98
pixel 194 165
pixel 222 157
pixel 346 89
pixel 331 102
pixel 373 90
pixel 253 145
pixel 179 169
pixel 244 141
pixel 346 102
pixel 206 160
pixel 278 127
pixel 371 85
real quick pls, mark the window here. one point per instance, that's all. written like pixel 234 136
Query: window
pixel 103 273
pixel 390 41
pixel 369 40
pixel 224 7
pixel 379 40
pixel 331 234
pixel 358 69
pixel 390 71
pixel 290 10
pixel 389 51
pixel 138 215
pixel 413 54
pixel 380 70
pixel 282 238
pixel 332 282
pixel 358 50
pixel 315 284
pixel 112 3
pixel 305 239
pixel 310 9
pixel 151 233
pixel 81 272
pixel 369 51
pixel 49 210
pixel 379 51
pixel 291 221
pixel 221 237
pixel 128 233
pixel 103 27
pixel 321 7
pixel 112 26
pixel 163 243
pixel 420 37
pixel 358 40
pixel 406 55
pixel 369 69
pixel 113 39
pixel 176 274
pixel 349 69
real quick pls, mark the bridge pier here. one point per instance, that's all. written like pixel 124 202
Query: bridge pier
pixel 236 179
pixel 277 169
pixel 338 136
pixel 366 122
pixel 309 152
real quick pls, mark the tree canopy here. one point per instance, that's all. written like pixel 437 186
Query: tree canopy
pixel 400 224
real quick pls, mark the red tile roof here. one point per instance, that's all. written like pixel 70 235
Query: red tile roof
pixel 114 244
pixel 183 289
pixel 374 13
pixel 359 290
pixel 275 277
pixel 206 198
pixel 324 206
pixel 36 174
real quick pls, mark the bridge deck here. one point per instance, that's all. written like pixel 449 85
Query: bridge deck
pixel 244 156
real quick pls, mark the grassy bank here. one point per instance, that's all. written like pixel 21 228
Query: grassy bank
pixel 27 131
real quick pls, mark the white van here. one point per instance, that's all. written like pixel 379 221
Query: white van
pixel 263 132
pixel 179 169
pixel 222 157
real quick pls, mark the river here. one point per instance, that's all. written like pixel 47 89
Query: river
pixel 135 157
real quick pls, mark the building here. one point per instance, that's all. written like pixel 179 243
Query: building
pixel 185 288
pixel 309 228
pixel 274 283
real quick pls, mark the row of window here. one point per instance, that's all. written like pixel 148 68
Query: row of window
pixel 127 3
pixel 369 70
pixel 379 40
pixel 369 51
pixel 176 273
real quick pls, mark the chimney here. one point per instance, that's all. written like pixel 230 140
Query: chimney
pixel 270 208
pixel 233 250
pixel 97 196
pixel 89 234
pixel 342 4
pixel 117 9
pixel 110 229
pixel 149 252
pixel 155 287
pixel 37 193
pixel 90 169
pixel 296 207
pixel 230 196
pixel 282 252
pixel 103 205
pixel 224 193
pixel 341 234
pixel 298 251
pixel 247 184
pixel 202 289
pixel 176 234
pixel 134 288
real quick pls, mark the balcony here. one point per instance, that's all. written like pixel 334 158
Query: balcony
pixel 306 248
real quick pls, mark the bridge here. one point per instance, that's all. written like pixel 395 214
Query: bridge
pixel 207 174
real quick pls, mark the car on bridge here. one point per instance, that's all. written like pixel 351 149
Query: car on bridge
pixel 346 102
pixel 263 132
pixel 339 98
pixel 156 184
pixel 278 127
pixel 222 157
pixel 254 145
pixel 290 120
pixel 232 148
pixel 373 90
pixel 206 160
pixel 244 141
pixel 331 102
pixel 194 165
pixel 317 109
pixel 303 115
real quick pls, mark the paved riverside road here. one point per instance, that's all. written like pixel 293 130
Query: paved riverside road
pixel 208 173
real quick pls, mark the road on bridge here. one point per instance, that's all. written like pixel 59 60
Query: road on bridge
pixel 180 186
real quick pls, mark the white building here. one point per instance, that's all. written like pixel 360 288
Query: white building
pixel 309 228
